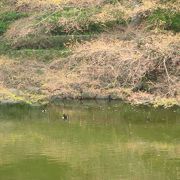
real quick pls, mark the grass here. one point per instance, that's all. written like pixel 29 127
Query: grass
pixel 39 54
pixel 44 55
pixel 7 18
pixel 165 19
pixel 46 42
pixel 82 20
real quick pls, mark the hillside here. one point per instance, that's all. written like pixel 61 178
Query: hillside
pixel 90 49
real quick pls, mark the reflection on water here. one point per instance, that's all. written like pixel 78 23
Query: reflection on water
pixel 101 141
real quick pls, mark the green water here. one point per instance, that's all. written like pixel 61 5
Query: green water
pixel 100 141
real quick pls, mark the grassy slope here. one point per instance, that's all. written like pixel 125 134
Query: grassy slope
pixel 126 49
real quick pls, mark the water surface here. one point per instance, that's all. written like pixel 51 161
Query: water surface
pixel 100 141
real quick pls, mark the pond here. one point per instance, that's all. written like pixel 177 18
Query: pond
pixel 100 141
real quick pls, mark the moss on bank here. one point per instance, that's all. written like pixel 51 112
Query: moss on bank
pixel 34 50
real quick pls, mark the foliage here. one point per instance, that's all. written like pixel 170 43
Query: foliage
pixel 33 54
pixel 44 55
pixel 7 18
pixel 165 19
pixel 82 21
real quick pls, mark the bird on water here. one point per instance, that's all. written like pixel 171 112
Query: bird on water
pixel 43 110
pixel 65 117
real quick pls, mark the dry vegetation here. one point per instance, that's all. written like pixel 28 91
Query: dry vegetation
pixel 135 55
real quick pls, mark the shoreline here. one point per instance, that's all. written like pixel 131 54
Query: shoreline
pixel 135 99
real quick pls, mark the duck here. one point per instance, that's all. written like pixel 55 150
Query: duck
pixel 65 117
pixel 44 110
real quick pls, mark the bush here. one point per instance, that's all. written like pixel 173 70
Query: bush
pixel 165 19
